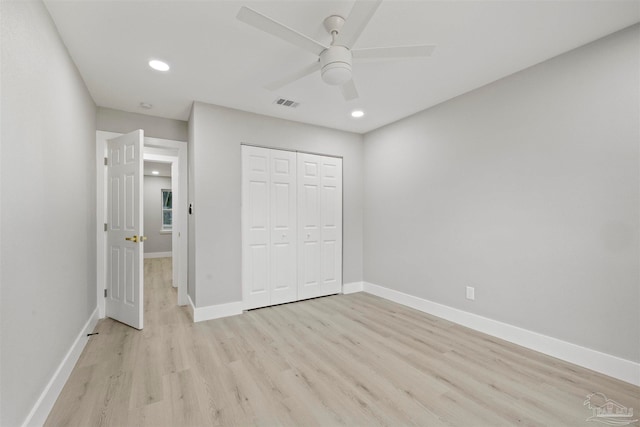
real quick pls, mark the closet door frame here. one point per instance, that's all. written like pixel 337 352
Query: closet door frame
pixel 248 301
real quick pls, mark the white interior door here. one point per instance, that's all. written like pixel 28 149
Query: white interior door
pixel 291 226
pixel 284 268
pixel 269 268
pixel 124 299
pixel 320 225
pixel 255 227
pixel 331 225
pixel 309 226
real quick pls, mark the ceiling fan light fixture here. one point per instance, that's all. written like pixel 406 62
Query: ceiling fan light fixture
pixel 335 63
pixel 356 114
pixel 336 73
pixel 336 58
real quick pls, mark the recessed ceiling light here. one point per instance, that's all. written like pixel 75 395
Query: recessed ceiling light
pixel 357 113
pixel 145 105
pixel 158 65
pixel 155 173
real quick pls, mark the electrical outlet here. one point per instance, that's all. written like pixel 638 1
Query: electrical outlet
pixel 471 293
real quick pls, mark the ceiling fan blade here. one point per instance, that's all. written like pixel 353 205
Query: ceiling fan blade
pixel 293 77
pixel 268 25
pixel 420 51
pixel 360 15
pixel 349 91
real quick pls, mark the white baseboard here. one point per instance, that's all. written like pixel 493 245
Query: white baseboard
pixel 191 307
pixel 200 314
pixel 607 364
pixel 49 395
pixel 352 287
pixel 158 254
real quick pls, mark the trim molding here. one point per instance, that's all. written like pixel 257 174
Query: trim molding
pixel 191 308
pixel 210 312
pixel 607 364
pixel 158 254
pixel 40 411
pixel 352 287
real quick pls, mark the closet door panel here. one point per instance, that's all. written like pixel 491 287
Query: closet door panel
pixel 309 226
pixel 283 208
pixel 331 225
pixel 255 227
pixel 292 226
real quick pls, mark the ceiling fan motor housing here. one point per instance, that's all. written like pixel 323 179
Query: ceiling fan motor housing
pixel 335 65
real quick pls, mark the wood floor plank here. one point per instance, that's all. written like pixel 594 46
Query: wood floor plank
pixel 147 385
pixel 354 360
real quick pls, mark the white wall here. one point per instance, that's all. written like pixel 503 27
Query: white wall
pixel 156 241
pixel 215 137
pixel 48 206
pixel 110 120
pixel 527 189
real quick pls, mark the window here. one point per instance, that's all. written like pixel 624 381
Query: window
pixel 167 216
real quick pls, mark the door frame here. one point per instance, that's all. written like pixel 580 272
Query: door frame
pixel 101 212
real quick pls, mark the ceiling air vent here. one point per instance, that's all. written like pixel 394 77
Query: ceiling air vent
pixel 286 103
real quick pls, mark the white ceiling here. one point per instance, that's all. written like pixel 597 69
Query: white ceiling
pixel 216 59
pixel 164 169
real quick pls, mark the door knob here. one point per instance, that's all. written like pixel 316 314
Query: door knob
pixel 133 239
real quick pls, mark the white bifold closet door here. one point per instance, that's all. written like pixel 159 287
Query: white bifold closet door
pixel 291 226
pixel 319 225
pixel 269 235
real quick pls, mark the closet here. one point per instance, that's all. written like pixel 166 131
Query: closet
pixel 291 226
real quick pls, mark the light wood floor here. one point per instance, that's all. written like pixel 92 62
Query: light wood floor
pixel 340 360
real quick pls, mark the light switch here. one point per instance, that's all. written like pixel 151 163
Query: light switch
pixel 471 293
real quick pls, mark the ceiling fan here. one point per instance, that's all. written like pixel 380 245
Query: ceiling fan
pixel 334 62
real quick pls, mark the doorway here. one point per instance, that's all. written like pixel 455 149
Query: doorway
pixel 158 209
pixel 157 150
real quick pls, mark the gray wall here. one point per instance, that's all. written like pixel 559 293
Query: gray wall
pixel 48 229
pixel 214 149
pixel 156 241
pixel 111 120
pixel 526 189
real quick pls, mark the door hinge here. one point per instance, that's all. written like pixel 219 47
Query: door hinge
pixel 105 293
pixel 105 226
pixel 106 161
